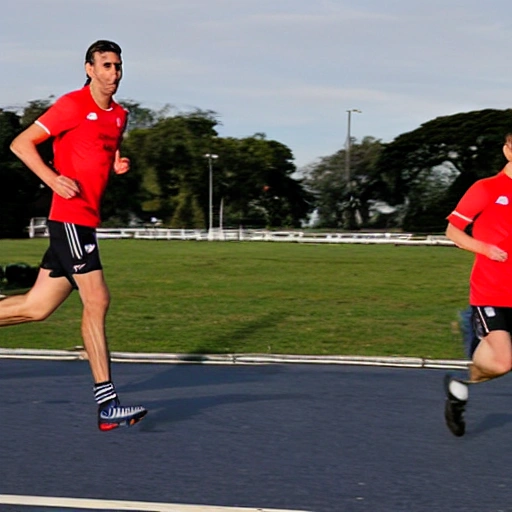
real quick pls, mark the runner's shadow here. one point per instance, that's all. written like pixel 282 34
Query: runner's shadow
pixel 235 337
pixel 165 412
pixel 491 422
pixel 196 375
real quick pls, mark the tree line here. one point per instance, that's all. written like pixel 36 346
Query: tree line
pixel 413 182
pixel 409 184
pixel 252 181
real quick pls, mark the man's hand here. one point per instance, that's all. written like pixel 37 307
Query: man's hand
pixel 495 253
pixel 65 187
pixel 121 164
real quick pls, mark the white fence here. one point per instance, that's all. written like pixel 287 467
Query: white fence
pixel 38 228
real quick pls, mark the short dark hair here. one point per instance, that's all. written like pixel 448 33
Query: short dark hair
pixel 100 46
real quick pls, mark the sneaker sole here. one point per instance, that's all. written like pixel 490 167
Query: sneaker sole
pixel 105 427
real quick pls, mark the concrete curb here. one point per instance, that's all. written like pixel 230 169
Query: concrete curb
pixel 79 354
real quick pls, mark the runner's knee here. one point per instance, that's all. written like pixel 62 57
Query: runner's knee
pixel 496 367
pixel 99 300
pixel 502 367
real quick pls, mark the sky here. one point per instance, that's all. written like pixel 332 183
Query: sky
pixel 291 69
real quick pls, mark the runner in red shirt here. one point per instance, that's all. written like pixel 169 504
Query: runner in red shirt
pixel 86 140
pixel 487 207
pixel 87 126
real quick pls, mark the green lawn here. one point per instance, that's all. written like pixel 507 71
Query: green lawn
pixel 264 297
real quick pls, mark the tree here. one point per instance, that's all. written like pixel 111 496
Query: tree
pixel 187 214
pixel 170 157
pixel 253 178
pixel 169 177
pixel 427 170
pixel 142 117
pixel 338 204
pixel 21 192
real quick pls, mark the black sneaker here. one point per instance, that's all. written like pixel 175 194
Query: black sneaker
pixel 112 414
pixel 454 410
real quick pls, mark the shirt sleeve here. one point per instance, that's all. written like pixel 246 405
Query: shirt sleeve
pixel 62 116
pixel 471 204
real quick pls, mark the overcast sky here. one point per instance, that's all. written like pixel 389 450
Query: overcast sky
pixel 288 68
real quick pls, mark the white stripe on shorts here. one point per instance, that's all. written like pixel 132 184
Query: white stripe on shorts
pixel 483 323
pixel 73 240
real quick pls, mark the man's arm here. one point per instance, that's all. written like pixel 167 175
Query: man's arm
pixel 24 146
pixel 461 239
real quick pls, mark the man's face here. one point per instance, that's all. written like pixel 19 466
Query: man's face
pixel 105 72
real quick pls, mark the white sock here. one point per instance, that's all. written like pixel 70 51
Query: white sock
pixel 104 392
pixel 459 390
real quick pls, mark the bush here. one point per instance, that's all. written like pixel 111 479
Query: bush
pixel 19 275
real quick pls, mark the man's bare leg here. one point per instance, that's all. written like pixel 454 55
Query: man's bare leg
pixel 96 299
pixel 491 359
pixel 47 294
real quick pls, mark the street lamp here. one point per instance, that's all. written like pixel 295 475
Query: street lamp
pixel 347 149
pixel 211 157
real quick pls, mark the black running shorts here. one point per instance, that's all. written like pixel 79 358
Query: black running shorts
pixel 73 250
pixel 488 318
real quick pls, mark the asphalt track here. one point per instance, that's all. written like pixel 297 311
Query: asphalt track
pixel 322 438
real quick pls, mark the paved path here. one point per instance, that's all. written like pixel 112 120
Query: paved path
pixel 320 438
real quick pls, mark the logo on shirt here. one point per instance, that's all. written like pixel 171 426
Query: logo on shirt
pixel 118 122
pixel 502 200
pixel 89 248
pixel 92 116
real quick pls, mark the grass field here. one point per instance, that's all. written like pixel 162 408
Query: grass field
pixel 263 297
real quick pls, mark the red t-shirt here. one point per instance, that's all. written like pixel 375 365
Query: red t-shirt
pixel 86 140
pixel 488 205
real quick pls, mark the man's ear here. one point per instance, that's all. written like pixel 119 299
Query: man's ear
pixel 88 69
pixel 507 152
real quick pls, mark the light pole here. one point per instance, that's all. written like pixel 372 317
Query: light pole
pixel 211 157
pixel 347 149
